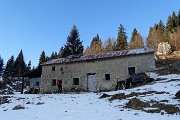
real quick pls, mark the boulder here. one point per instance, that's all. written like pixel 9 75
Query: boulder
pixel 137 104
pixel 164 48
pixel 177 95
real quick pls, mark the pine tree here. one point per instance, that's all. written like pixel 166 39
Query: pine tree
pixel 73 45
pixel 178 17
pixel 54 55
pixel 29 66
pixel 122 39
pixel 19 65
pixel 172 23
pixel 9 74
pixel 169 24
pixel 161 26
pixel 42 59
pixel 174 20
pixel 1 67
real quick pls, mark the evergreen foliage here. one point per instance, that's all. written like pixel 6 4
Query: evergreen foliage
pixel 19 65
pixel 178 18
pixel 9 74
pixel 54 55
pixel 122 39
pixel 29 66
pixel 1 67
pixel 42 59
pixel 73 45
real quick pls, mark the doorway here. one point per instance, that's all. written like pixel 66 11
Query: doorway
pixel 91 82
pixel 131 70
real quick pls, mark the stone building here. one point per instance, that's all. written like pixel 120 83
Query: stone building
pixel 95 72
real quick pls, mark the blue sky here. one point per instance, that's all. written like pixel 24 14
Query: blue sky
pixel 37 25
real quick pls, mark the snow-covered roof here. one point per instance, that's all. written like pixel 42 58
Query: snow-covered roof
pixel 99 56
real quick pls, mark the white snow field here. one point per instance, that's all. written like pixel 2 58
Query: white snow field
pixel 88 106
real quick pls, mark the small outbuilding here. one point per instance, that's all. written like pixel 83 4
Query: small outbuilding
pixel 95 72
pixel 34 80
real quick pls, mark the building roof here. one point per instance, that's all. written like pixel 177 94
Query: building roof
pixel 100 56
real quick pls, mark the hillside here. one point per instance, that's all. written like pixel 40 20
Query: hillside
pixel 91 106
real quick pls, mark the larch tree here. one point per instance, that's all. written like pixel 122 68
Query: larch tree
pixel 95 47
pixel 134 33
pixel 109 44
pixel 175 40
pixel 137 42
pixel 73 45
pixel 156 35
pixel 122 39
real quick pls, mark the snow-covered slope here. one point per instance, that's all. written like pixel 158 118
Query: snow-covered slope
pixel 88 106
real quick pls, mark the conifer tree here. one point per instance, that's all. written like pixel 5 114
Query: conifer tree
pixel 9 74
pixel 20 65
pixel 161 26
pixel 178 17
pixel 174 20
pixel 54 55
pixel 122 39
pixel 108 45
pixel 95 47
pixel 169 24
pixel 42 59
pixel 137 42
pixel 73 45
pixel 156 35
pixel 134 33
pixel 29 66
pixel 1 67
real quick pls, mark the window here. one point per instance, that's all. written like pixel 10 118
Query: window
pixel 53 68
pixel 53 82
pixel 75 81
pixel 37 83
pixel 131 70
pixel 107 76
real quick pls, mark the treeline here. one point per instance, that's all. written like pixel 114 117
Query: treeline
pixel 73 47
pixel 158 33
pixel 14 68
pixel 169 33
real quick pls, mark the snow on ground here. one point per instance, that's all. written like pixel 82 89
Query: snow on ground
pixel 88 106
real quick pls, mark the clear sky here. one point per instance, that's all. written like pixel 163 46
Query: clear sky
pixel 37 25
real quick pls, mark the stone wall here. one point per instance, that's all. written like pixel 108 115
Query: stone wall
pixel 116 67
